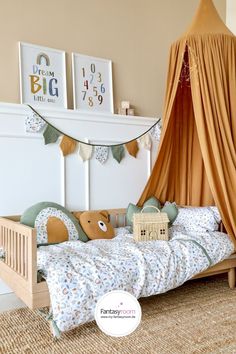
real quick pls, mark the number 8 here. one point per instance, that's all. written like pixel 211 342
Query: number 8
pixel 90 101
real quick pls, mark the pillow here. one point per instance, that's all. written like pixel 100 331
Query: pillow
pixel 53 223
pixel 96 224
pixel 153 202
pixel 172 211
pixel 198 219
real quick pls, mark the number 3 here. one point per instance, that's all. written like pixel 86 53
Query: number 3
pixel 99 77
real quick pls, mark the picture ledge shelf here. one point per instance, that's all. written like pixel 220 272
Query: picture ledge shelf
pixel 106 127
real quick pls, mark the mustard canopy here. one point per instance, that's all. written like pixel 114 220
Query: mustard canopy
pixel 196 162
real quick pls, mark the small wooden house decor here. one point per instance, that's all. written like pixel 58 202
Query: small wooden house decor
pixel 150 226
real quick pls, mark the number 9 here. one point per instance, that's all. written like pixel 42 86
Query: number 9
pixel 100 99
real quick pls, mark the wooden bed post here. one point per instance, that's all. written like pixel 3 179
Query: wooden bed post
pixel 32 260
pixel 19 267
pixel 231 278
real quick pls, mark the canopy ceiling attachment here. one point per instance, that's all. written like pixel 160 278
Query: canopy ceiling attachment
pixel 207 20
pixel 196 162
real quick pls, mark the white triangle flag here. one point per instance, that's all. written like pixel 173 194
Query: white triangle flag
pixel 85 151
pixel 145 141
pixel 101 153
pixel 34 123
pixel 156 131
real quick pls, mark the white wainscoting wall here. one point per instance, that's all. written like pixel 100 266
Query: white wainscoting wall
pixel 32 172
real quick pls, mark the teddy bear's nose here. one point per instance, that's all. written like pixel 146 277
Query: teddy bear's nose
pixel 89 221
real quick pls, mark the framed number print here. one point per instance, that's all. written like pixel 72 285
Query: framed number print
pixel 92 83
pixel 42 76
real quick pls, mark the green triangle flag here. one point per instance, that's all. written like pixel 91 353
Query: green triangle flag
pixel 51 135
pixel 118 152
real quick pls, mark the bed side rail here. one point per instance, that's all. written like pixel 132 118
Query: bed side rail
pixel 20 249
pixel 117 217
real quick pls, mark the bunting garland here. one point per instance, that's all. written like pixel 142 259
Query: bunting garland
pixel 118 152
pixel 101 153
pixel 67 145
pixel 145 141
pixel 85 151
pixel 36 123
pixel 132 148
pixel 51 135
pixel 156 131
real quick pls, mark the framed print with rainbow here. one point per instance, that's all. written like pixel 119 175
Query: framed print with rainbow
pixel 92 83
pixel 42 76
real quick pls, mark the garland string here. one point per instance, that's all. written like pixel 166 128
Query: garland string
pixel 91 144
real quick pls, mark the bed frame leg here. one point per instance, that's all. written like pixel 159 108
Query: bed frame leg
pixel 231 278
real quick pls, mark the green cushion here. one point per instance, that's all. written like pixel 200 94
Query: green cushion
pixel 47 210
pixel 172 211
pixel 152 202
pixel 131 210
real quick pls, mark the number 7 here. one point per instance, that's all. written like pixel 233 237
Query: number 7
pixel 84 92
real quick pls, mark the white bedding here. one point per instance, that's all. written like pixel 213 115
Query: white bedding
pixel 78 273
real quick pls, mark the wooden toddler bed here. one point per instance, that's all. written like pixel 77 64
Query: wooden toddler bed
pixel 19 268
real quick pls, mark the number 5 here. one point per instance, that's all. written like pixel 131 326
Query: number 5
pixel 95 91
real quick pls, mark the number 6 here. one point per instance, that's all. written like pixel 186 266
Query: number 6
pixel 102 89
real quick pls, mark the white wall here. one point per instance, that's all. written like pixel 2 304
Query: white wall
pixel 32 172
pixel 231 15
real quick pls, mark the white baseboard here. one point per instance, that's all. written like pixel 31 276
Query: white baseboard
pixel 10 302
pixel 4 289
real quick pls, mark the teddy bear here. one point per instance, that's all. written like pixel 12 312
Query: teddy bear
pixel 95 224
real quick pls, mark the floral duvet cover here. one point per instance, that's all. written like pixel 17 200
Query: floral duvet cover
pixel 78 273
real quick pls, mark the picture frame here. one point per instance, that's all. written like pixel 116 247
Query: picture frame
pixel 92 83
pixel 42 76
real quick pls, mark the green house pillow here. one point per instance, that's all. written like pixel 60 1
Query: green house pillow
pixel 151 202
pixel 53 222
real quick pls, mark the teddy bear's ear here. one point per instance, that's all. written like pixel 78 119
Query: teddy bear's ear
pixel 77 214
pixel 105 214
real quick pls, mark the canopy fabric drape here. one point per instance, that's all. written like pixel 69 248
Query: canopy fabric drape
pixel 196 162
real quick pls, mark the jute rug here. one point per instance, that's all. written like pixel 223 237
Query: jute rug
pixel 199 317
